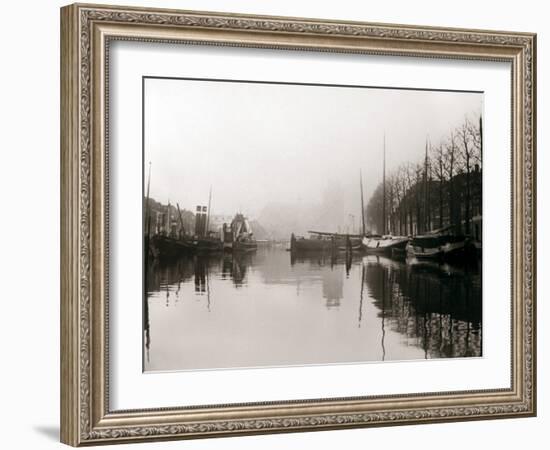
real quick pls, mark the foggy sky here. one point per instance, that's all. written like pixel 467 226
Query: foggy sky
pixel 257 144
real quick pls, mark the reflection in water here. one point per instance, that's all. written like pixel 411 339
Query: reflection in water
pixel 333 288
pixel 437 307
pixel 361 295
pixel 271 308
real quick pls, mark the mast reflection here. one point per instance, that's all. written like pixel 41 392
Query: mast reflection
pixel 412 310
pixel 435 306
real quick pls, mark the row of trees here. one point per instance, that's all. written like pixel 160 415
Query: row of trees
pixel 442 189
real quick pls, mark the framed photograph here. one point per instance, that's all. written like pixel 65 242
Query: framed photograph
pixel 274 224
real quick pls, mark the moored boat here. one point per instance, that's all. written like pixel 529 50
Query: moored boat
pixel 166 247
pixel 426 247
pixel 314 243
pixel 399 253
pixel 245 245
pixel 457 247
pixel 322 241
pixel 439 245
pixel 207 245
pixel 238 236
pixel 384 245
pixel 350 247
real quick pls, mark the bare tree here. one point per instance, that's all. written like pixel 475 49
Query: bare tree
pixel 398 190
pixel 394 201
pixel 419 175
pixel 438 171
pixel 375 210
pixel 476 137
pixel 451 169
pixel 426 190
pixel 447 180
pixel 409 183
pixel 467 151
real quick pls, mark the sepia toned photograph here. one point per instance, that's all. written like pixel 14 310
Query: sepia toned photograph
pixel 291 224
pixel 278 224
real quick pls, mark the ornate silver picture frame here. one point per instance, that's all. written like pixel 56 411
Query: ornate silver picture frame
pixel 87 34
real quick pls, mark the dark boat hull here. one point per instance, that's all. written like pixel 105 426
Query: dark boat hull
pixel 250 246
pixel 340 244
pixel 207 245
pixel 450 248
pixel 165 247
pixel 433 254
pixel 385 246
pixel 352 248
pixel 399 253
pixel 311 245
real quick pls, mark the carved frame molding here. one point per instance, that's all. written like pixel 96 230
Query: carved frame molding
pixel 86 31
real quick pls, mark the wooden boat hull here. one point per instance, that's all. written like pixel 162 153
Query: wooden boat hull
pixel 399 253
pixel 326 243
pixel 450 248
pixel 352 248
pixel 207 245
pixel 165 247
pixel 455 250
pixel 311 245
pixel 381 246
pixel 316 245
pixel 424 253
pixel 239 247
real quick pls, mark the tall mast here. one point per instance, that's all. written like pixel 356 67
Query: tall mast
pixel 149 180
pixel 481 136
pixel 168 220
pixel 181 219
pixel 426 212
pixel 384 189
pixel 362 203
pixel 147 196
pixel 361 295
pixel 208 212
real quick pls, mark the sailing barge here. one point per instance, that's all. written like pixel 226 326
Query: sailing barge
pixel 326 242
pixel 322 241
pixel 384 245
pixel 441 244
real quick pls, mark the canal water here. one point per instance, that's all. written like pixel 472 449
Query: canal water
pixel 272 309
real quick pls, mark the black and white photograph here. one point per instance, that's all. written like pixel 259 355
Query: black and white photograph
pixel 243 225
pixel 290 224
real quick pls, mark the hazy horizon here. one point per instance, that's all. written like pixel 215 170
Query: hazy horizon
pixel 276 149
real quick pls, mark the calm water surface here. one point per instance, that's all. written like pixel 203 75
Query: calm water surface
pixel 270 309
